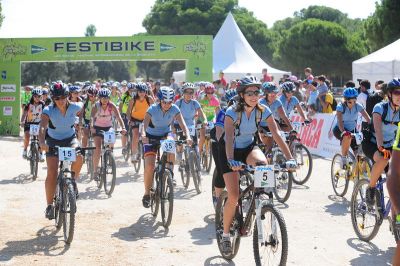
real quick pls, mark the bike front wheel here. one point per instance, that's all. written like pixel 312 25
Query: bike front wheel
pixel 195 169
pixel 283 186
pixel 340 182
pixel 167 198
pixel 154 195
pixel 304 164
pixel 110 173
pixel 69 209
pixel 272 248
pixel 138 162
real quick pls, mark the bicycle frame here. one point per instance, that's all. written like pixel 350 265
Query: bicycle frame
pixel 384 208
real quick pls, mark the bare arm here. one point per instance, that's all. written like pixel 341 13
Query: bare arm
pixel 130 107
pixel 93 116
pixel 182 124
pixel 146 122
pixel 301 112
pixel 44 123
pixel 340 120
pixel 200 113
pixel 24 116
pixel 377 118
pixel 282 114
pixel 278 139
pixel 366 116
pixel 229 137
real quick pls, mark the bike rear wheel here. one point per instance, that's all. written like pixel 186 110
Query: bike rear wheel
pixel 206 156
pixel 365 220
pixel 69 209
pixel 138 163
pixel 89 164
pixel 167 198
pixel 110 173
pixel 304 164
pixel 58 206
pixel 154 195
pixel 195 169
pixel 34 160
pixel 274 248
pixel 340 181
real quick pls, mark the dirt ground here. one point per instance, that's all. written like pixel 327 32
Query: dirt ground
pixel 119 231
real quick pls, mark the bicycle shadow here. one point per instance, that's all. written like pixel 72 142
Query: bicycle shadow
pixel 127 177
pixel 92 193
pixel 280 205
pixel 302 187
pixel 339 206
pixel 19 179
pixel 146 227
pixel 371 254
pixel 204 235
pixel 44 244
pixel 184 194
pixel 218 260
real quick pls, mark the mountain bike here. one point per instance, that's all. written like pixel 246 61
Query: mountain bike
pixel 256 215
pixel 127 150
pixel 357 167
pixel 33 155
pixel 206 155
pixel 140 155
pixel 89 158
pixel 64 201
pixel 162 189
pixel 367 219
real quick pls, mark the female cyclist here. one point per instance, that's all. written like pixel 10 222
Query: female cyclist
pixel 74 92
pixel 57 129
pixel 347 115
pixel 90 101
pixel 123 109
pixel 290 102
pixel 157 124
pixel 115 94
pixel 102 113
pixel 240 145
pixel 137 109
pixel 385 119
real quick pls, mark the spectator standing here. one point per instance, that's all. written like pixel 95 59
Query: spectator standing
pixel 363 94
pixel 376 98
pixel 266 77
pixel 173 85
pixel 308 74
pixel 222 79
pixel 299 90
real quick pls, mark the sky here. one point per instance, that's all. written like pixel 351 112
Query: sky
pixel 69 18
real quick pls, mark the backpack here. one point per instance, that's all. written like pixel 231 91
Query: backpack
pixel 370 129
pixel 238 121
pixel 334 104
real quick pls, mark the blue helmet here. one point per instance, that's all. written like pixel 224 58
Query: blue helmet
pixel 270 87
pixel 230 94
pixel 74 88
pixel 393 84
pixel 37 91
pixel 288 86
pixel 131 85
pixel 166 94
pixel 141 86
pixel 104 93
pixel 350 93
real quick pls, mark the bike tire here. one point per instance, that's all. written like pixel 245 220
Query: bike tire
pixel 69 209
pixel 282 194
pixel 167 197
pixel 204 157
pixel 214 177
pixel 210 158
pixel 58 199
pixel 89 163
pixel 271 210
pixel 361 208
pixel 298 178
pixel 138 163
pixel 30 158
pixel 195 170
pixel 336 178
pixel 155 195
pixel 35 159
pixel 219 227
pixel 110 173
pixel 185 175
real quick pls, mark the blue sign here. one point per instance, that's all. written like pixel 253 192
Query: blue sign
pixel 197 71
pixel 4 74
pixel 37 49
pixel 166 47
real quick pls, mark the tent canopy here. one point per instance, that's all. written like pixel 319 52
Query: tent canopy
pixel 233 55
pixel 383 64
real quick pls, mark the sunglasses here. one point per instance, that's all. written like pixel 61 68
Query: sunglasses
pixel 166 103
pixel 252 93
pixel 59 98
pixel 75 92
pixel 396 92
pixel 106 98
pixel 189 92
pixel 37 96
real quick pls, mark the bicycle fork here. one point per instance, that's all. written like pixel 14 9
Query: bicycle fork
pixel 261 233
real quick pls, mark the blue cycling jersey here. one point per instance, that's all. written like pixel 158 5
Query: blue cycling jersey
pixel 188 110
pixel 219 122
pixel 350 116
pixel 161 121
pixel 248 127
pixel 288 106
pixel 273 107
pixel 389 129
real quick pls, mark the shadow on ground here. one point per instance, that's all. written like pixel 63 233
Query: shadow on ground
pixel 371 254
pixel 20 179
pixel 339 206
pixel 204 235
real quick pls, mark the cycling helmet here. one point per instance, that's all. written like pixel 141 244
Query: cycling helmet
pixel 124 83
pixel 288 86
pixel 37 91
pixel 270 87
pixel 141 87
pixel 166 94
pixel 115 85
pixel 74 89
pixel 393 84
pixel 104 93
pixel 230 94
pixel 46 84
pixel 91 90
pixel 247 81
pixel 45 91
pixel 350 93
pixel 104 85
pixel 188 86
pixel 59 89
pixel 209 88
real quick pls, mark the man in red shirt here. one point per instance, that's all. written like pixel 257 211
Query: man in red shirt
pixel 266 77
pixel 222 79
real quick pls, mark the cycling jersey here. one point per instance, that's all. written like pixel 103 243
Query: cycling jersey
pixel 288 106
pixel 350 116
pixel 247 127
pixel 209 106
pixel 160 122
pixel 220 120
pixel 34 112
pixel 103 118
pixel 139 109
pixel 62 126
pixel 125 102
pixel 188 110
pixel 388 129
pixel 396 144
pixel 115 99
pixel 26 97
pixel 88 110
pixel 273 107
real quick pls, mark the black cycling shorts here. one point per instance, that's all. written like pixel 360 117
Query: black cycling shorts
pixel 238 154
pixel 52 143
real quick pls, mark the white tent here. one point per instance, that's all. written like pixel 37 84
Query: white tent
pixel 234 56
pixel 383 64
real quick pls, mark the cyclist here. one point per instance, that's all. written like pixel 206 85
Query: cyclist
pixel 347 115
pixel 290 102
pixel 241 127
pixel 115 94
pixel 57 129
pixel 137 109
pixel 385 118
pixel 210 105
pixel 123 109
pixel 157 125
pixel 74 92
pixel 91 93
pixel 102 113
pixel 274 104
pixel 46 99
pixel 32 114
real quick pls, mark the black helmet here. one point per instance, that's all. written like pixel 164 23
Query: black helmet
pixel 59 89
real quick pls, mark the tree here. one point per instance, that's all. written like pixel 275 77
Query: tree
pixel 324 46
pixel 383 27
pixel 38 73
pixel 1 16
pixel 90 31
pixel 81 71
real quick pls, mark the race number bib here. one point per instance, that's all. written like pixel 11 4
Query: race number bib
pixel 192 130
pixel 296 126
pixel 168 145
pixel 34 130
pixel 359 137
pixel 109 137
pixel 264 176
pixel 67 154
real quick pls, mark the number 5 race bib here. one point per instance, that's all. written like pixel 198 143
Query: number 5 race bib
pixel 264 176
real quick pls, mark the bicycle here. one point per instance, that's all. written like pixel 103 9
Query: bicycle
pixel 371 217
pixel 127 150
pixel 108 173
pixel 357 167
pixel 89 158
pixel 301 154
pixel 64 201
pixel 140 155
pixel 190 163
pixel 162 189
pixel 33 155
pixel 206 155
pixel 256 215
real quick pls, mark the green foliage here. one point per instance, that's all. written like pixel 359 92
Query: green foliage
pixel 324 46
pixel 90 31
pixel 383 27
pixel 38 73
pixel 80 71
pixel 1 16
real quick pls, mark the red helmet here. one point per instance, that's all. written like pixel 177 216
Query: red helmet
pixel 209 88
